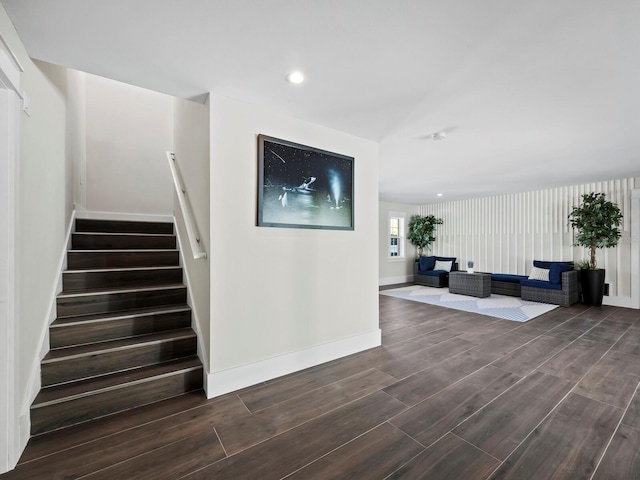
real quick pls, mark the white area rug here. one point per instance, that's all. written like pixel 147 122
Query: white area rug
pixel 500 306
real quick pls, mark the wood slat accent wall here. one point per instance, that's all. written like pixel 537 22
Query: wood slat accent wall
pixel 505 233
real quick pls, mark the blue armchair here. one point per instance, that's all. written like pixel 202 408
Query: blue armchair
pixel 432 271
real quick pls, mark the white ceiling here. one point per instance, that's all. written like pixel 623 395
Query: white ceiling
pixel 532 94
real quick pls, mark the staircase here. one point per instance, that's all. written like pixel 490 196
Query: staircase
pixel 122 337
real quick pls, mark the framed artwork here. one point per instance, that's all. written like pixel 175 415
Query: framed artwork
pixel 303 187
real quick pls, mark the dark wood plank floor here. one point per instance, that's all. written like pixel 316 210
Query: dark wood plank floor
pixel 449 395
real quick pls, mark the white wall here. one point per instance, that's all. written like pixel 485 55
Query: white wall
pixel 10 444
pixel 395 270
pixel 77 135
pixel 128 131
pixel 191 140
pixel 283 299
pixel 43 212
pixel 504 234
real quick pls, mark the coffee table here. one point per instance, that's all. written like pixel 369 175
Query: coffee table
pixel 472 284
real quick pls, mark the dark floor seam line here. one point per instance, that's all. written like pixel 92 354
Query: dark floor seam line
pixel 244 404
pixel 311 419
pixel 333 450
pixel 93 472
pixel 554 407
pixel 105 436
pixel 226 454
pixel 571 343
pixel 405 463
pixel 318 388
pixel 427 367
pixel 604 451
pixel 528 342
pixel 555 354
pixel 470 416
pixel 476 447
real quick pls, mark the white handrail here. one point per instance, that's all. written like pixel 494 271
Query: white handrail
pixel 185 208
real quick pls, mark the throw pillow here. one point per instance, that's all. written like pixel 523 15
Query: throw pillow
pixel 555 272
pixel 427 263
pixel 539 274
pixel 445 266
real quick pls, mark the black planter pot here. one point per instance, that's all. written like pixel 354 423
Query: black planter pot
pixel 592 286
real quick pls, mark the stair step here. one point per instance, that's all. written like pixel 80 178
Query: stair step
pixel 121 241
pixel 76 280
pixel 94 259
pixel 123 336
pixel 101 301
pixel 67 364
pixel 122 226
pixel 84 329
pixel 72 403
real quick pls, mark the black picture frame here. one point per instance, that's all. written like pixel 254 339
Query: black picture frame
pixel 303 187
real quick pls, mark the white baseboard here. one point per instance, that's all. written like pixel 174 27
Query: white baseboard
pixel 225 381
pixel 135 217
pixel 395 280
pixel 614 301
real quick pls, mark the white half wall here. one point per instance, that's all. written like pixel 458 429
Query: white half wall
pixel 192 153
pixel 395 270
pixel 505 233
pixel 128 131
pixel 278 291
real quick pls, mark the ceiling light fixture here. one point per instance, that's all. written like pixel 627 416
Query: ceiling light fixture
pixel 439 194
pixel 439 135
pixel 295 77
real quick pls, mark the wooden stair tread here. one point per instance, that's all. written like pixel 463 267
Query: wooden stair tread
pixel 59 354
pixel 126 234
pixel 58 393
pixel 120 226
pixel 124 250
pixel 112 290
pixel 122 269
pixel 122 337
pixel 133 313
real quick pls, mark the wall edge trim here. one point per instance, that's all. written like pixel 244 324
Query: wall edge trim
pixel 232 379
pixel 202 352
pixel 34 381
pixel 393 280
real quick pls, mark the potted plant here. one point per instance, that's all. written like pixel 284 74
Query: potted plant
pixel 421 231
pixel 596 222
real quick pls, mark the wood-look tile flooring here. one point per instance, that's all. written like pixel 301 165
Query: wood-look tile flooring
pixel 449 395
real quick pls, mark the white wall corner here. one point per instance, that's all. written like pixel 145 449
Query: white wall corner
pixel 225 381
pixel 635 248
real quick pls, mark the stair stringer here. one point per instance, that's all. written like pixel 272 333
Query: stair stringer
pixel 36 374
pixel 197 316
pixel 34 381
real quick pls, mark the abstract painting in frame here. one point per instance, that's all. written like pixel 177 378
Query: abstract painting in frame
pixel 303 187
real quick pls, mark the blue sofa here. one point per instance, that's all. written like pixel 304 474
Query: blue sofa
pixel 563 287
pixel 424 272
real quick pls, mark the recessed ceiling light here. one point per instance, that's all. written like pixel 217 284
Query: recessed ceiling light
pixel 439 194
pixel 295 77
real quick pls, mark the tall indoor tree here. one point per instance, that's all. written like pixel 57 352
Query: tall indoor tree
pixel 597 223
pixel 421 231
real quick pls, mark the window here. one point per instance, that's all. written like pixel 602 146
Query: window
pixel 396 235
